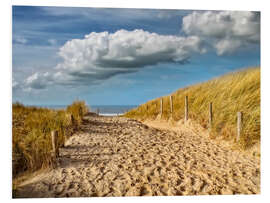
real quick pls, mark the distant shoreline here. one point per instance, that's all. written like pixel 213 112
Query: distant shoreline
pixel 111 114
pixel 104 110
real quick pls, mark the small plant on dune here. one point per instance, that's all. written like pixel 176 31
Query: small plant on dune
pixel 77 109
pixel 238 91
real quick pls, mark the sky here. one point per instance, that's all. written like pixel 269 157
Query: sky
pixel 109 56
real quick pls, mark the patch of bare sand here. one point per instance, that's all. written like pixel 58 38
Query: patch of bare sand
pixel 114 156
pixel 192 127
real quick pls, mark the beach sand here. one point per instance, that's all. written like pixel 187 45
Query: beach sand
pixel 116 156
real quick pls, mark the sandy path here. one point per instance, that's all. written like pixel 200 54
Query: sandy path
pixel 113 156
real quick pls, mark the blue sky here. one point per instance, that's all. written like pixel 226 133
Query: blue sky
pixel 124 56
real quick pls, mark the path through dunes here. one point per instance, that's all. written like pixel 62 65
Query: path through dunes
pixel 114 156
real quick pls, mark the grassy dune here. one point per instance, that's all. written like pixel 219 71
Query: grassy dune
pixel 31 128
pixel 237 91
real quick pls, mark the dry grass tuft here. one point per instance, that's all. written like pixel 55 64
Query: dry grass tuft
pixel 238 91
pixel 31 131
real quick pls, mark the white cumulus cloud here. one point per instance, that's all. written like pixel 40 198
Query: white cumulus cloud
pixel 227 31
pixel 102 55
pixel 38 81
pixel 126 49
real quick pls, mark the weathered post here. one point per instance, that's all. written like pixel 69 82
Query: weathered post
pixel 161 106
pixel 80 112
pixel 171 104
pixel 72 119
pixel 97 111
pixel 186 108
pixel 64 136
pixel 210 115
pixel 239 125
pixel 54 136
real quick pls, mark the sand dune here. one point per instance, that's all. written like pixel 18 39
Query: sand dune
pixel 113 156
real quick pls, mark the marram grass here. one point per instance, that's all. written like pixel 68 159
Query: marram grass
pixel 237 91
pixel 31 133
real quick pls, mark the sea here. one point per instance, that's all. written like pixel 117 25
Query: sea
pixel 104 110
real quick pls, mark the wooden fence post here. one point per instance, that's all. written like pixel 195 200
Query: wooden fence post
pixel 161 106
pixel 186 108
pixel 239 125
pixel 64 137
pixel 72 119
pixel 98 111
pixel 210 115
pixel 80 112
pixel 55 149
pixel 171 104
